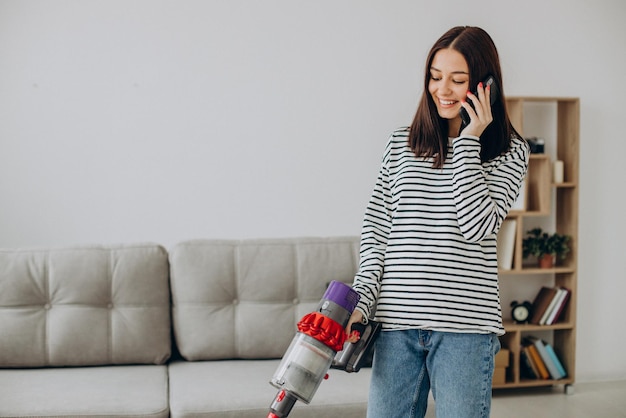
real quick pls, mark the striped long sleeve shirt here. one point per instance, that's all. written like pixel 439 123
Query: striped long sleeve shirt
pixel 428 244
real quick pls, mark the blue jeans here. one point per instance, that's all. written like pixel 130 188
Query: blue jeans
pixel 408 363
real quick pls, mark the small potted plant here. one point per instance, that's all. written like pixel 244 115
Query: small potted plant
pixel 547 248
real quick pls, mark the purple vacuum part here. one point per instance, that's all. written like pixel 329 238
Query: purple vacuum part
pixel 342 294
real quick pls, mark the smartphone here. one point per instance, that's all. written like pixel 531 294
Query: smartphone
pixel 493 96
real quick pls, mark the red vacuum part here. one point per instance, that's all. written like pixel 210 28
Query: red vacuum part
pixel 323 329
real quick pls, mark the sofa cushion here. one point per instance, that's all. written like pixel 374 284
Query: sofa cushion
pixel 241 389
pixel 84 306
pixel 242 299
pixel 108 391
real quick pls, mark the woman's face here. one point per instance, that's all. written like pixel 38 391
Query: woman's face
pixel 448 85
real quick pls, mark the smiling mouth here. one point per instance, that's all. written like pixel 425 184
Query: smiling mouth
pixel 447 102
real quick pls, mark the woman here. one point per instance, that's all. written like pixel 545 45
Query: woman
pixel 428 266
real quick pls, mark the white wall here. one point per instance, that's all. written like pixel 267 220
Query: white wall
pixel 125 121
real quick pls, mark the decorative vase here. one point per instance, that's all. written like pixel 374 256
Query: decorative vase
pixel 546 261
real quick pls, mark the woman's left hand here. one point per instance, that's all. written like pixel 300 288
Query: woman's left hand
pixel 353 336
pixel 481 117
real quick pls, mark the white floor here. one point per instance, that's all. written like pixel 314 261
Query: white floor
pixel 593 399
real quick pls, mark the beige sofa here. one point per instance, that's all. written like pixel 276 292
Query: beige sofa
pixel 137 330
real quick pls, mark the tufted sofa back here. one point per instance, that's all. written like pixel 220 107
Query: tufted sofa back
pixel 242 299
pixel 84 306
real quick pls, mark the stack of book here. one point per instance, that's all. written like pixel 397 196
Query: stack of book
pixel 549 305
pixel 539 361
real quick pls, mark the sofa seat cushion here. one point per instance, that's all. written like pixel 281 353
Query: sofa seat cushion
pixel 241 389
pixel 108 391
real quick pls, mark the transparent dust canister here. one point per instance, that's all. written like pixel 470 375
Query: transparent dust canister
pixel 303 367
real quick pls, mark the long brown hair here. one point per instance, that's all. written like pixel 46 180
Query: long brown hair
pixel 428 134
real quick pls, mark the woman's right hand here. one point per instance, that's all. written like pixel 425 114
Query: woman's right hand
pixel 355 318
pixel 480 115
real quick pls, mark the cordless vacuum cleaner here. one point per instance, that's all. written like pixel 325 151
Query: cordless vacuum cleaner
pixel 321 334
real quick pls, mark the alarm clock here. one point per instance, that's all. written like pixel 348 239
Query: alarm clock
pixel 521 312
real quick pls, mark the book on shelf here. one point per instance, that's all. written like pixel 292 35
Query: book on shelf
pixel 506 244
pixel 533 354
pixel 547 357
pixel 562 299
pixel 550 308
pixel 556 361
pixel 541 303
pixel 549 305
pixel 527 368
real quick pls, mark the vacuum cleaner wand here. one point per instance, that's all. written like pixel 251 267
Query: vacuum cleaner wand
pixel 321 334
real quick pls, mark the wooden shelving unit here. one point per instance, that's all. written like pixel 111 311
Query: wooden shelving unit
pixel 556 204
